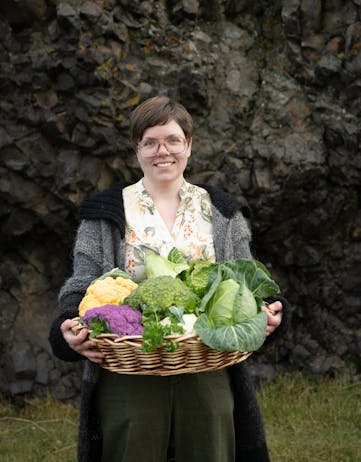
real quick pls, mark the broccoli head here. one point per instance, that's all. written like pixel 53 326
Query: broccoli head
pixel 163 292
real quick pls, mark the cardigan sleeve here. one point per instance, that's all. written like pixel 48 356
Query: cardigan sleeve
pixel 86 268
pixel 97 249
pixel 87 264
pixel 70 296
pixel 240 236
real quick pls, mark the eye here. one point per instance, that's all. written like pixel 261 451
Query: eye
pixel 149 143
pixel 174 141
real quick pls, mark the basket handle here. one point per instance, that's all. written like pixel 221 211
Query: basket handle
pixel 78 327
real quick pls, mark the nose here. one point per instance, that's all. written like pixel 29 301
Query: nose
pixel 162 150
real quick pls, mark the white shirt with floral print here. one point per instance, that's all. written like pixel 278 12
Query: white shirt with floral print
pixel 145 230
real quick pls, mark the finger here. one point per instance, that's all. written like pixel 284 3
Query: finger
pixel 81 335
pixel 95 356
pixel 84 345
pixel 269 330
pixel 274 320
pixel 270 313
pixel 275 306
pixel 76 339
pixel 67 325
pixel 90 350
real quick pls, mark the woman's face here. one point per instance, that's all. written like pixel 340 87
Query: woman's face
pixel 160 165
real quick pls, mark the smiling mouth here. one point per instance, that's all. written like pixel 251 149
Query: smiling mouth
pixel 164 164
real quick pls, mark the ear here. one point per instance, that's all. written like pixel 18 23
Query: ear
pixel 189 149
pixel 135 150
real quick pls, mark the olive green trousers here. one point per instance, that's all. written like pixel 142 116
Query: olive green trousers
pixel 188 417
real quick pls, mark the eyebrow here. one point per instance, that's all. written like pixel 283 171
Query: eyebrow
pixel 168 136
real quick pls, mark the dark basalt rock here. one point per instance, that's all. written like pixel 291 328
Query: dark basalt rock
pixel 275 92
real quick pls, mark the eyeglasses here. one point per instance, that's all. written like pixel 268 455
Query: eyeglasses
pixel 173 144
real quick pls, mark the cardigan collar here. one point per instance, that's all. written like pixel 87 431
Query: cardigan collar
pixel 108 204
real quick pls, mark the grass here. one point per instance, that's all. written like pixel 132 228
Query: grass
pixel 306 421
pixel 43 430
pixel 309 421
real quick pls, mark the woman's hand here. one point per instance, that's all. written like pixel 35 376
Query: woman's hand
pixel 80 342
pixel 274 316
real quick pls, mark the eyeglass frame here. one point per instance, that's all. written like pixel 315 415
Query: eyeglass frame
pixel 162 141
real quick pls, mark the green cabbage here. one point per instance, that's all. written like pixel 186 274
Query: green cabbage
pixel 221 308
pixel 230 317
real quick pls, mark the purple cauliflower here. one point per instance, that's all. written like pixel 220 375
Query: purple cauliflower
pixel 115 319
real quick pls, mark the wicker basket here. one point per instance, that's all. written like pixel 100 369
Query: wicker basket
pixel 124 355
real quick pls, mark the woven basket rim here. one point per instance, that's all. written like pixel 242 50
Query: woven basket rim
pixel 124 355
pixel 115 337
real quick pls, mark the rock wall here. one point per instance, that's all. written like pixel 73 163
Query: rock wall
pixel 275 92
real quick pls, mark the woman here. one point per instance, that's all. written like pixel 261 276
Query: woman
pixel 210 417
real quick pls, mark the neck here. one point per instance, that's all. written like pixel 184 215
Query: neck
pixel 166 190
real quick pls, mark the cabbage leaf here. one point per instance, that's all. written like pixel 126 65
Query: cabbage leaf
pixel 256 277
pixel 156 265
pixel 250 272
pixel 230 317
pixel 221 310
pixel 247 335
pixel 197 274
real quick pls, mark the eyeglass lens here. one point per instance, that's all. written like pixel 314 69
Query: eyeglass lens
pixel 173 145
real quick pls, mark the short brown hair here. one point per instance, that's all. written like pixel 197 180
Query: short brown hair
pixel 158 110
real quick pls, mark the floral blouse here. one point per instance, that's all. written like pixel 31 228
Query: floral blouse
pixel 146 231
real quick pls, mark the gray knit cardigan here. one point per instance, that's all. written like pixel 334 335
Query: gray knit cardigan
pixel 99 247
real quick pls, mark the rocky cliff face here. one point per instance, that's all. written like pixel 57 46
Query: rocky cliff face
pixel 275 92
